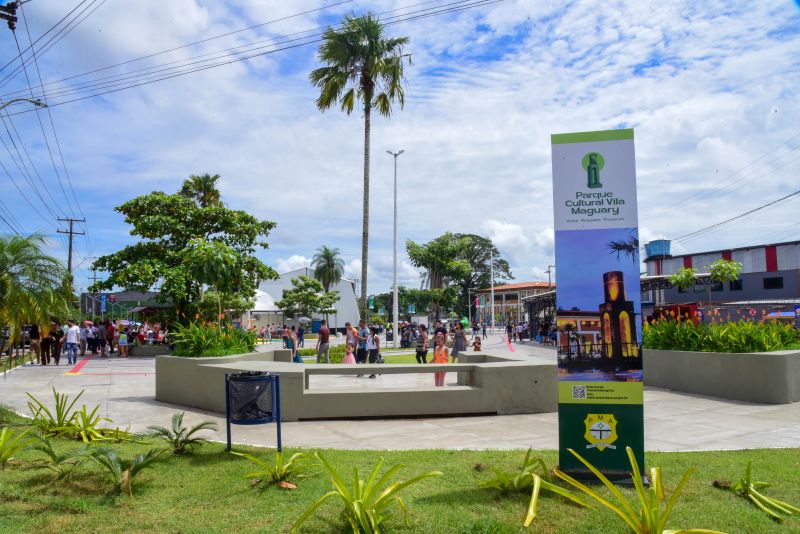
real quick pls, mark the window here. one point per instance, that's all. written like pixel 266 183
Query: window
pixel 699 288
pixel 773 282
pixel 716 287
pixel 735 285
pixel 682 290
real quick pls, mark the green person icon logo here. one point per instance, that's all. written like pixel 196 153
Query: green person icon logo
pixel 593 162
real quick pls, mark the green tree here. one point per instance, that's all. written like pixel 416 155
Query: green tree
pixel 203 190
pixel 307 297
pixel 233 304
pixel 34 287
pixel 723 271
pixel 328 266
pixel 478 251
pixel 361 65
pixel 683 278
pixel 440 259
pixel 175 233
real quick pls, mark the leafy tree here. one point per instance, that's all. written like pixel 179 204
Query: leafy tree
pixel 176 235
pixel 440 259
pixel 361 65
pixel 234 304
pixel 683 278
pixel 306 297
pixel 725 271
pixel 328 266
pixel 478 252
pixel 34 287
pixel 203 190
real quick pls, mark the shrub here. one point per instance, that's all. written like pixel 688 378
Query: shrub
pixel 121 472
pixel 212 339
pixel 278 470
pixel 180 437
pixel 651 514
pixel 11 445
pixel 742 336
pixel 749 489
pixel 60 463
pixel 64 422
pixel 366 503
pixel 337 353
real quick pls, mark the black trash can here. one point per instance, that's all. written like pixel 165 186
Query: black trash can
pixel 252 398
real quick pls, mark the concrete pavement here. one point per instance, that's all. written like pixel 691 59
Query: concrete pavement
pixel 124 388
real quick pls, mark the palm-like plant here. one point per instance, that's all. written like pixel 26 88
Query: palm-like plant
pixel 328 266
pixel 12 444
pixel 33 285
pixel 203 189
pixel 361 64
pixel 179 437
pixel 60 463
pixel 121 472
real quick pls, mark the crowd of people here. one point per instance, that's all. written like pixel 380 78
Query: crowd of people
pixel 101 337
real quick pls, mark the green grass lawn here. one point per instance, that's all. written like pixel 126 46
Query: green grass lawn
pixel 206 492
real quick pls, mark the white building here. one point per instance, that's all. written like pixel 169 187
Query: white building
pixel 266 313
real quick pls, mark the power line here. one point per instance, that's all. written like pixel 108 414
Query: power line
pixel 459 6
pixel 749 212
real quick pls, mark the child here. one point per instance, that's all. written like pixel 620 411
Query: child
pixel 123 344
pixel 476 344
pixel 440 355
pixel 349 358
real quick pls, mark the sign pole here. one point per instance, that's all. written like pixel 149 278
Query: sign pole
pixel 599 321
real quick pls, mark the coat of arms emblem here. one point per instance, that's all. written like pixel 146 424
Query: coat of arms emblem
pixel 601 431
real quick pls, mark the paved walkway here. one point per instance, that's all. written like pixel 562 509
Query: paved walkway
pixel 125 391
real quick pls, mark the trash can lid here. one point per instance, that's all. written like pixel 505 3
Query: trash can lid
pixel 243 374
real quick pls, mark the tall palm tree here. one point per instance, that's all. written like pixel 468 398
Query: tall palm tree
pixel 328 266
pixel 361 64
pixel 203 189
pixel 33 286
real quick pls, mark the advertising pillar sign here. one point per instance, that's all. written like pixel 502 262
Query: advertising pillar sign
pixel 598 301
pixel 103 300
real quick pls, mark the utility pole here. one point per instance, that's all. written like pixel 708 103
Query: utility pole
pixel 8 13
pixel 548 271
pixel 94 281
pixel 491 263
pixel 71 233
pixel 395 299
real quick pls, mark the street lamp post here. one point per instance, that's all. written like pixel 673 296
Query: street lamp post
pixel 15 100
pixel 395 301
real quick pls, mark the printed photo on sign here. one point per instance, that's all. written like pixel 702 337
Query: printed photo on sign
pixel 598 305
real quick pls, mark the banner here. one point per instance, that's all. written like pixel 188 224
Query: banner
pixel 598 302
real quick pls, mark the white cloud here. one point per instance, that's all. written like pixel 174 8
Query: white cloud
pixel 709 87
pixel 291 263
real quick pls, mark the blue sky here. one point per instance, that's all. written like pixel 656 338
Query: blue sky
pixel 711 89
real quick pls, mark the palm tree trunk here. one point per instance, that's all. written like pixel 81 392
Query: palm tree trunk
pixel 365 215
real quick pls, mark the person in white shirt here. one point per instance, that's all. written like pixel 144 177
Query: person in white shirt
pixel 73 338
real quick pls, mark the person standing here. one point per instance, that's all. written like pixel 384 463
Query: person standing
pixel 373 347
pixel 46 341
pixel 123 344
pixel 301 336
pixel 363 334
pixel 100 339
pixel 439 357
pixel 422 345
pixel 459 341
pixel 509 330
pixel 483 329
pixel 73 337
pixel 111 332
pixel 291 344
pixel 91 338
pixel 285 336
pixel 323 342
pixel 439 328
pixel 83 343
pixel 36 346
pixel 57 335
pixel 349 357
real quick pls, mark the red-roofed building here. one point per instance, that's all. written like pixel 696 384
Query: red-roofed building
pixel 508 301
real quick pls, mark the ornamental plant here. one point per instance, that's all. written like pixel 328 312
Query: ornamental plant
pixel 749 489
pixel 180 438
pixel 277 471
pixel 650 512
pixel 366 503
pixel 200 339
pixel 742 336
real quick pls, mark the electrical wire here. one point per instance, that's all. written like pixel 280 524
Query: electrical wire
pixel 741 215
pixel 458 6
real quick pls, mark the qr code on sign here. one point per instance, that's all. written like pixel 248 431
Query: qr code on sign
pixel 578 392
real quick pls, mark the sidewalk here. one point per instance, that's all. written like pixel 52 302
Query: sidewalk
pixel 124 388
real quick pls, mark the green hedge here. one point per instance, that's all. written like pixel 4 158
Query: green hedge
pixel 211 339
pixel 337 353
pixel 742 336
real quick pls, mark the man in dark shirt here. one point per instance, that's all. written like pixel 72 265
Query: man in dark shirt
pixel 33 333
pixel 323 343
pixel 439 329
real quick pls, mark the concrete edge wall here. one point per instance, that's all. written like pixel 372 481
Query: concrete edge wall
pixel 505 387
pixel 761 377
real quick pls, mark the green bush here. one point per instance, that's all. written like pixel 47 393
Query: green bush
pixel 742 336
pixel 337 353
pixel 212 339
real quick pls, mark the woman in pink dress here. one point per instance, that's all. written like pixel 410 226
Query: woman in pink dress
pixel 349 357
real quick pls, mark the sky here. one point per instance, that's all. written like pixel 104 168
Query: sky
pixel 711 89
pixel 585 256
